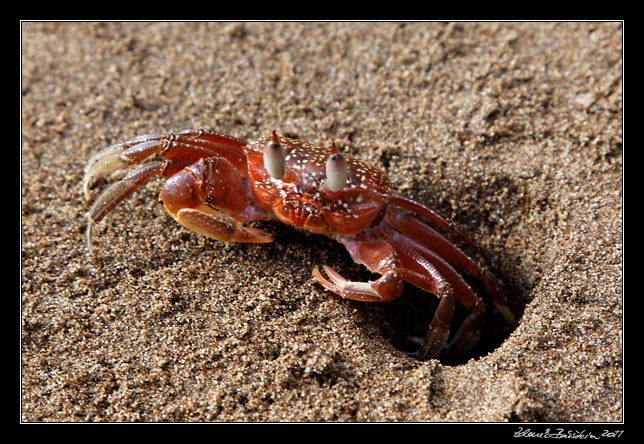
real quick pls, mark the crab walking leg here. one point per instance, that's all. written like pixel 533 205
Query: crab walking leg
pixel 423 234
pixel 427 238
pixel 439 220
pixel 425 269
pixel 119 191
pixel 396 261
pixel 222 145
pixel 379 257
pixel 187 146
pixel 109 160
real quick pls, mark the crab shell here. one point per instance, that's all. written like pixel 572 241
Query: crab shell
pixel 302 195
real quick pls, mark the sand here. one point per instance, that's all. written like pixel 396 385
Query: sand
pixel 513 130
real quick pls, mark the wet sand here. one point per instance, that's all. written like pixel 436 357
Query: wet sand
pixel 512 130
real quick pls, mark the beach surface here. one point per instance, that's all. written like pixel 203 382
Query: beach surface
pixel 512 130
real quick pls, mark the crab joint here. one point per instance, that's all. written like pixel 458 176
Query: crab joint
pixel 337 172
pixel 274 158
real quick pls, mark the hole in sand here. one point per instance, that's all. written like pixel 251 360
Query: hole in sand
pixel 410 315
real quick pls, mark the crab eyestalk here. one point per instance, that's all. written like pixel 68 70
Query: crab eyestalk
pixel 274 161
pixel 337 172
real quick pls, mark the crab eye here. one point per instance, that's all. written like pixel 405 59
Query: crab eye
pixel 274 159
pixel 337 172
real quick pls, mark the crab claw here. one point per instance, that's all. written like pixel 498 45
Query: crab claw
pixel 361 291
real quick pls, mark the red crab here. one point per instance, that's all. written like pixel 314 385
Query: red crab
pixel 215 183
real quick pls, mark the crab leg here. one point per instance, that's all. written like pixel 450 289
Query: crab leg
pixel 436 218
pixel 179 151
pixel 398 259
pixel 187 146
pixel 379 257
pixel 427 238
pixel 119 191
pixel 425 269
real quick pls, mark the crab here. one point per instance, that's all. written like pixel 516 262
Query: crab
pixel 216 184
